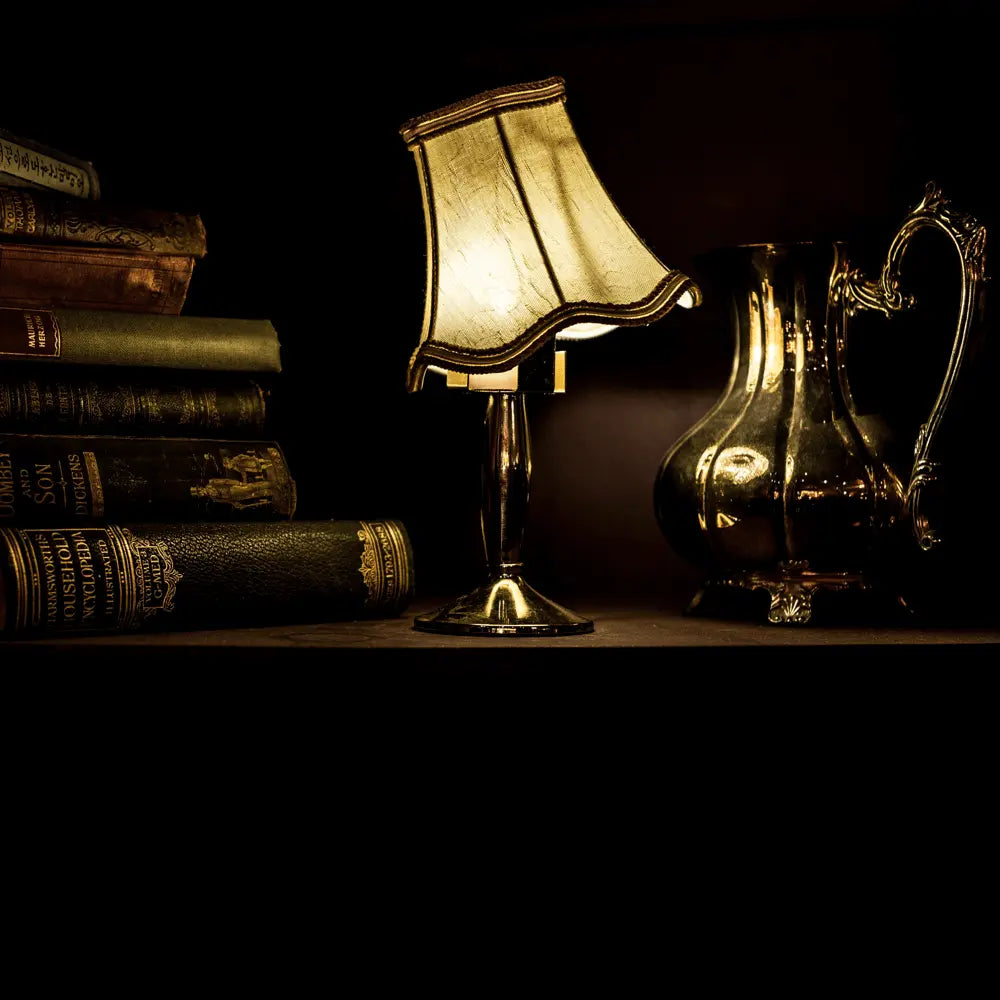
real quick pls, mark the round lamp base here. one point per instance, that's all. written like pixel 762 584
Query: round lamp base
pixel 507 606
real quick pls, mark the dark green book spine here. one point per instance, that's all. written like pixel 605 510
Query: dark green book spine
pixel 57 479
pixel 48 402
pixel 138 340
pixel 116 578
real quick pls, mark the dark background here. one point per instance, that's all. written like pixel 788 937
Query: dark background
pixel 733 123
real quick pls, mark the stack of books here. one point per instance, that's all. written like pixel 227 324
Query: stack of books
pixel 139 487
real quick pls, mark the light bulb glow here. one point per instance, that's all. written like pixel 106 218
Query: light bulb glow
pixel 584 331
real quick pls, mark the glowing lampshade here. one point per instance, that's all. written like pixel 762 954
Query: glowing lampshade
pixel 523 241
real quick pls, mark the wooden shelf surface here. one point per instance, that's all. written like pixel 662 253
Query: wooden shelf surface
pixel 625 629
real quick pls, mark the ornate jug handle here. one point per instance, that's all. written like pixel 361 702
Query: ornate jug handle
pixel 969 239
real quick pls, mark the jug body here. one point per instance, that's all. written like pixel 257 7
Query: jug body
pixel 777 488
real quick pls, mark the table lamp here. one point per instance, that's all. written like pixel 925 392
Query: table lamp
pixel 524 248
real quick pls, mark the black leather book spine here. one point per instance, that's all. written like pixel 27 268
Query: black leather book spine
pixel 188 576
pixel 63 402
pixel 57 479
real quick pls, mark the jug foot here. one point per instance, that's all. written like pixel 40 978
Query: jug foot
pixel 796 595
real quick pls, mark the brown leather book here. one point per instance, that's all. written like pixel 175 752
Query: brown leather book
pixel 81 277
pixel 50 217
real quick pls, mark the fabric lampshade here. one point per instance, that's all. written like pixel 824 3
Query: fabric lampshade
pixel 523 242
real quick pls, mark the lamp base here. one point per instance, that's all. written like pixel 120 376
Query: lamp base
pixel 507 606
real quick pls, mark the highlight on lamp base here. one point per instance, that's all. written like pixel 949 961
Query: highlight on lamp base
pixel 505 606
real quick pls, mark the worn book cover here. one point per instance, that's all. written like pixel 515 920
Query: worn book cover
pixel 48 479
pixel 27 215
pixel 115 578
pixel 28 163
pixel 41 276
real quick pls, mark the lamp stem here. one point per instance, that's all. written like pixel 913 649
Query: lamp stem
pixel 505 604
pixel 506 482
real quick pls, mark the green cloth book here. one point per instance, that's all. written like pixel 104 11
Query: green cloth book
pixel 138 340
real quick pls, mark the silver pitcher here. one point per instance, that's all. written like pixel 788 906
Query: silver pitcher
pixel 783 486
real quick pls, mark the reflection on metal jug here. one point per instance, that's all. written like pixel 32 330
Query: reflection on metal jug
pixel 783 487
